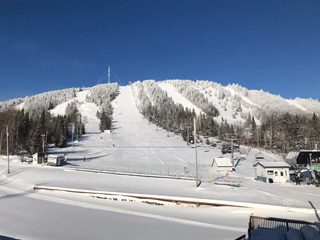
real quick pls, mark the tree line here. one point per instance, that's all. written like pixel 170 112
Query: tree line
pixel 102 95
pixel 27 135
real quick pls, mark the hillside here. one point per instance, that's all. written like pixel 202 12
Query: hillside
pixel 139 158
pixel 227 99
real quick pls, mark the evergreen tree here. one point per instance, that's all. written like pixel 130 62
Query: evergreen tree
pixel 62 130
pixel 298 142
pixel 105 122
pixel 37 139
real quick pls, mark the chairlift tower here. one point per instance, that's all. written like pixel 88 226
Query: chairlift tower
pixel 232 140
pixel 108 74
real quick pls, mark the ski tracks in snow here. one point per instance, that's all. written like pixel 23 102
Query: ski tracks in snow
pixel 33 195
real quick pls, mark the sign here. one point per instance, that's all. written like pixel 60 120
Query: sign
pixel 316 168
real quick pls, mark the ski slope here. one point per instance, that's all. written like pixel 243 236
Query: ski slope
pixel 136 146
pixel 178 98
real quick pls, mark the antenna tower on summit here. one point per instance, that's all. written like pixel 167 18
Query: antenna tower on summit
pixel 108 74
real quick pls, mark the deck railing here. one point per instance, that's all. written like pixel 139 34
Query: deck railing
pixel 278 224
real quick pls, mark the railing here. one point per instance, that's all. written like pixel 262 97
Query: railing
pixel 243 237
pixel 278 224
pixel 131 172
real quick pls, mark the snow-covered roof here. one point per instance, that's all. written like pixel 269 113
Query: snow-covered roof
pixel 223 162
pixel 55 156
pixel 272 164
pixel 292 155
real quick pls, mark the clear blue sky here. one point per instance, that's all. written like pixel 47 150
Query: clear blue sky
pixel 272 45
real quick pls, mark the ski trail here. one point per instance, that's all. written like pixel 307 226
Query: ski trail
pixel 65 201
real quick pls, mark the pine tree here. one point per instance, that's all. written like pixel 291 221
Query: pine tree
pixel 37 140
pixel 315 129
pixel 298 137
pixel 105 122
pixel 24 129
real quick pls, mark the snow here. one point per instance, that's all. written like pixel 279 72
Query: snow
pixel 223 162
pixel 136 146
pixel 234 93
pixel 224 113
pixel 178 98
pixel 274 164
pixel 296 104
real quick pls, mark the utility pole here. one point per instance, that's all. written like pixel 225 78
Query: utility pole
pixel 1 142
pixel 43 135
pixel 8 148
pixel 195 148
pixel 80 123
pixel 44 155
pixel 77 128
pixel 108 74
pixel 247 137
pixel 72 132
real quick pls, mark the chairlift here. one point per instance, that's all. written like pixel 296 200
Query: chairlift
pixel 259 156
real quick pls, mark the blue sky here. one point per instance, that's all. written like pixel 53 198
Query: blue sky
pixel 272 45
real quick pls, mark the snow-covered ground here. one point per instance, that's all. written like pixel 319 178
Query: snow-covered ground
pixel 178 98
pixel 136 146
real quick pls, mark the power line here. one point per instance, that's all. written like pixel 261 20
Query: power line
pixel 102 77
pixel 116 77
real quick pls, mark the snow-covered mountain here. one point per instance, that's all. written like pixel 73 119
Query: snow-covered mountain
pixel 233 102
pixel 139 158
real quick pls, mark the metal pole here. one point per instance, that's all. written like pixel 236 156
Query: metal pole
pixel 8 148
pixel 188 137
pixel 77 128
pixel 72 131
pixel 195 148
pixel 80 125
pixel 232 152
pixel 108 74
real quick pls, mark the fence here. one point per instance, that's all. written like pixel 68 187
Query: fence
pixel 130 172
pixel 278 224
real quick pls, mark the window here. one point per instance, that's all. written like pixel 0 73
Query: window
pixel 270 172
pixel 281 173
pixel 276 173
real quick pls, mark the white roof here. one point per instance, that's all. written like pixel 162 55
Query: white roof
pixel 292 155
pixel 223 162
pixel 55 156
pixel 273 164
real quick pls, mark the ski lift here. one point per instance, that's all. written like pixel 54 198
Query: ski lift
pixel 259 156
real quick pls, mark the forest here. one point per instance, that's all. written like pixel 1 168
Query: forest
pixel 27 136
pixel 279 131
pixel 30 124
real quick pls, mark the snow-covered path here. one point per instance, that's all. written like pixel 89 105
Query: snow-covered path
pixel 133 144
pixel 141 145
pixel 178 98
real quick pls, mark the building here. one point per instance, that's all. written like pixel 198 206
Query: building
pixel 55 160
pixel 222 164
pixel 39 158
pixel 303 158
pixel 272 172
